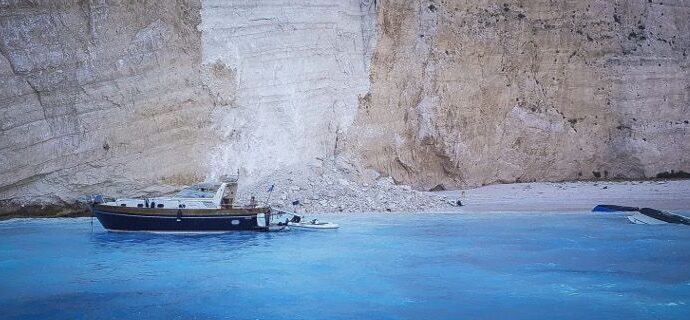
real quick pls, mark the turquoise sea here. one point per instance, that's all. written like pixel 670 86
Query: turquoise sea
pixel 376 266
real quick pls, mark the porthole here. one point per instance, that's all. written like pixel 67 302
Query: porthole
pixel 235 222
pixel 123 205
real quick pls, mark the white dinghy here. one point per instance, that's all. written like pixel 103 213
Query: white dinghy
pixel 313 224
pixel 295 221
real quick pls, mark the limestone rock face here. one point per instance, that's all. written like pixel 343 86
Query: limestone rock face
pixel 292 72
pixel 135 97
pixel 99 97
pixel 478 92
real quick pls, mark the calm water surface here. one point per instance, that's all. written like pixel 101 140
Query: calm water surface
pixel 395 266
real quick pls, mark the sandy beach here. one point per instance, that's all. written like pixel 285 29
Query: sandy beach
pixel 536 197
pixel 573 196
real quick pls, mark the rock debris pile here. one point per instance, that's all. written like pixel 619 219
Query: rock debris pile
pixel 336 186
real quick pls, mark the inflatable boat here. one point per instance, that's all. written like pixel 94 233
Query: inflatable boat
pixel 313 224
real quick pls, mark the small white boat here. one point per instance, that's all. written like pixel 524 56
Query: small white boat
pixel 313 224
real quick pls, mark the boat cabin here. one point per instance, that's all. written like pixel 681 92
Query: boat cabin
pixel 205 195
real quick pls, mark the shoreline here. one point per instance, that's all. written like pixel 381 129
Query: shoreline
pixel 582 196
pixel 75 210
pixel 533 197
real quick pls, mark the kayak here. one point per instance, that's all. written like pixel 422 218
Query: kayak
pixel 314 224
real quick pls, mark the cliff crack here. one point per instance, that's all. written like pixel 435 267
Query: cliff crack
pixel 3 53
pixel 39 98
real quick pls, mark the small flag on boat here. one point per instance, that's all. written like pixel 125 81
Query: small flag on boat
pixel 270 189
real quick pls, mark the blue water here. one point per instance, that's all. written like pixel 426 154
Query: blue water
pixel 392 266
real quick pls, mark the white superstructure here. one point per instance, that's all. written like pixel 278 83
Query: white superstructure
pixel 198 196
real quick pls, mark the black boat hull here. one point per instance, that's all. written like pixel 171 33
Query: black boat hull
pixel 114 221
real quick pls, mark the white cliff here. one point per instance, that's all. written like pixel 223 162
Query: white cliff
pixel 138 98
pixel 99 97
pixel 288 74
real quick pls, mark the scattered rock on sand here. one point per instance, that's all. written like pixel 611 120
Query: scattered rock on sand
pixel 338 186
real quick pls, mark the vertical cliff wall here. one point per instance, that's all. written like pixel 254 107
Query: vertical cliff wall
pixel 127 97
pixel 99 96
pixel 477 92
pixel 286 77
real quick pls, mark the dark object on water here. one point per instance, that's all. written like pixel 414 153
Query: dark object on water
pixel 438 187
pixel 665 216
pixel 459 203
pixel 295 203
pixel 613 208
